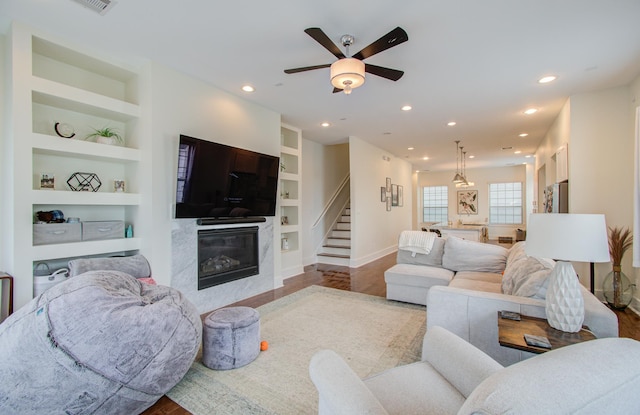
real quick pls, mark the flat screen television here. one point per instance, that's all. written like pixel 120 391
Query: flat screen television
pixel 219 181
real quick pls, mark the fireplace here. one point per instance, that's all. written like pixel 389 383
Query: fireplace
pixel 226 255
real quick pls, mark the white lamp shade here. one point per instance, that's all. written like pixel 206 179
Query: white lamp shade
pixel 347 70
pixel 568 237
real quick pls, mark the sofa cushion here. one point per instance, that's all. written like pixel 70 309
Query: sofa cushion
pixel 479 276
pixel 434 258
pixel 476 285
pixel 462 255
pixel 417 275
pixel 526 276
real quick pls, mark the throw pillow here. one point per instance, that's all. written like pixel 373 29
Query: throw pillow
pixel 463 255
pixel 434 258
pixel 530 277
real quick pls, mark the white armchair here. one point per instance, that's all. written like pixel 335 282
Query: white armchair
pixel 454 377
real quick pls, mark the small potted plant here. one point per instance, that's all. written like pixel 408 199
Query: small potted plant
pixel 106 135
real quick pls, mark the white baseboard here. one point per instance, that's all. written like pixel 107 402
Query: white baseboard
pixel 358 262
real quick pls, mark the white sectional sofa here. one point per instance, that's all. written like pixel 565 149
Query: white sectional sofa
pixel 464 284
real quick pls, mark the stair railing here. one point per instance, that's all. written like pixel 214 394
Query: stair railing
pixel 333 198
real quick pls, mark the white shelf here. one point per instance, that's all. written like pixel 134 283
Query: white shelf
pixel 290 150
pixel 67 97
pixel 288 176
pixel 44 252
pixel 62 197
pixel 47 144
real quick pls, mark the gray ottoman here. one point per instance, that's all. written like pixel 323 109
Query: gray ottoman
pixel 231 338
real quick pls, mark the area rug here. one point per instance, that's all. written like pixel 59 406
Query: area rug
pixel 371 333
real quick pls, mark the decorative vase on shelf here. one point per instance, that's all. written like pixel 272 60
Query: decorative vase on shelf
pixel 618 289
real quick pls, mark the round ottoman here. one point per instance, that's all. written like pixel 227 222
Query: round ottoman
pixel 231 338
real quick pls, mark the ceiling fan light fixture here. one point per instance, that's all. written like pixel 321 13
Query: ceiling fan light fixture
pixel 347 74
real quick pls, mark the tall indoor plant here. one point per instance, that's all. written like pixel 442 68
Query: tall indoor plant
pixel 617 288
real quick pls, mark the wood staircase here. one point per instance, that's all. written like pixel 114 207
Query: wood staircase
pixel 336 249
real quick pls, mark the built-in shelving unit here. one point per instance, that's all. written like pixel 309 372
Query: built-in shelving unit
pixel 290 178
pixel 52 82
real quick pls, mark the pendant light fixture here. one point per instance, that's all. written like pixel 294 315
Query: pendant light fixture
pixel 458 177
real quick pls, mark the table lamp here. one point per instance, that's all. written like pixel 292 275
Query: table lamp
pixel 566 237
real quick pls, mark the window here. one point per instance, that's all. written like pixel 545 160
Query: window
pixel 505 203
pixel 435 203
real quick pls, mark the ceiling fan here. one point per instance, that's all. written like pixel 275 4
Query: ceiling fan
pixel 349 72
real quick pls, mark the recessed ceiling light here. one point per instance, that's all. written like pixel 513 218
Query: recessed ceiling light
pixel 531 111
pixel 547 79
pixel 410 148
pixel 406 108
pixel 472 157
pixel 425 158
pixel 248 88
pixel 451 123
pixel 524 135
pixel 517 152
pixel 528 156
pixel 325 124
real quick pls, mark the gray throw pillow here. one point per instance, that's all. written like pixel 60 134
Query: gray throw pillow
pixel 434 258
pixel 463 255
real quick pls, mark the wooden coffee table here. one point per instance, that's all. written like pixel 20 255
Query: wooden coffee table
pixel 511 334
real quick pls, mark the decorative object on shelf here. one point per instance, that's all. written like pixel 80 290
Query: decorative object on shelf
pixel 64 130
pixel 119 186
pixel 616 287
pixel 47 181
pixel 282 166
pixel 467 202
pixel 73 220
pixel 51 216
pixel 284 220
pixel 285 244
pixel 128 233
pixel 84 182
pixel 566 237
pixel 106 135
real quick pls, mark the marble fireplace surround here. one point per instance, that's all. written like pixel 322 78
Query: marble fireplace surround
pixel 184 266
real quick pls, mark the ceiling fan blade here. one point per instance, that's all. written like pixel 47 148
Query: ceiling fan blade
pixel 391 39
pixel 336 90
pixel 392 74
pixel 306 68
pixel 319 36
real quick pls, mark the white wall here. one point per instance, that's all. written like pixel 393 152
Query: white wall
pixel 481 179
pixel 3 133
pixel 598 128
pixel 184 105
pixel 325 167
pixel 375 231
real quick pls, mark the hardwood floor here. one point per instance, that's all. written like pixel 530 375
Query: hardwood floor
pixel 368 279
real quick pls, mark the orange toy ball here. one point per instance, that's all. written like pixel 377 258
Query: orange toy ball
pixel 264 345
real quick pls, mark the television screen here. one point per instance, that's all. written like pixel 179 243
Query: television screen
pixel 219 181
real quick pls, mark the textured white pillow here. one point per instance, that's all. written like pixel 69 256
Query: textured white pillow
pixel 462 255
pixel 530 276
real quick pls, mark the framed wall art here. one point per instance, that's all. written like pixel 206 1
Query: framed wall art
pixel 394 195
pixel 467 202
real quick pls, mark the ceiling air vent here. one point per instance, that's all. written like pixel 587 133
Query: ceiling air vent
pixel 99 6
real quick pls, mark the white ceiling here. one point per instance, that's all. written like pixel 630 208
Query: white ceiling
pixel 469 61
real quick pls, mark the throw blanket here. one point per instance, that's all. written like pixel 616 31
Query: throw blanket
pixel 417 242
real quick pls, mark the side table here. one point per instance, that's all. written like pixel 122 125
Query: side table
pixel 511 334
